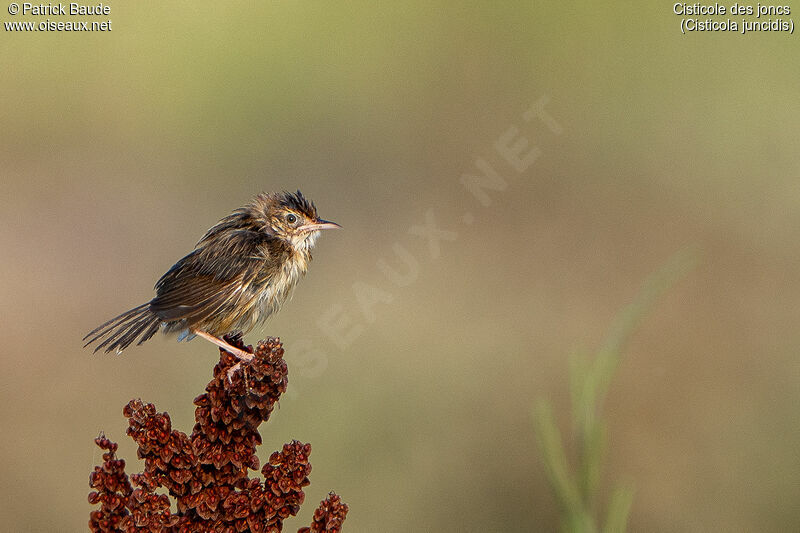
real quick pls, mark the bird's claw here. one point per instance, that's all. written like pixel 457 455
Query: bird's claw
pixel 232 370
pixel 244 357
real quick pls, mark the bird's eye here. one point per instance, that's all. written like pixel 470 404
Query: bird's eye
pixel 291 218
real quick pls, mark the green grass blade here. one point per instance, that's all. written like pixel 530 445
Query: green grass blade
pixel 619 507
pixel 555 459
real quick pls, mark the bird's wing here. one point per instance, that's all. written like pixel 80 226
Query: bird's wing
pixel 212 277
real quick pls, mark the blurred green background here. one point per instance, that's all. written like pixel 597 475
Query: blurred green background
pixel 120 149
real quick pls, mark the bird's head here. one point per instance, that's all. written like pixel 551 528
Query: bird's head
pixel 293 218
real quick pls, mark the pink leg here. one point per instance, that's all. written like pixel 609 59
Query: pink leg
pixel 241 354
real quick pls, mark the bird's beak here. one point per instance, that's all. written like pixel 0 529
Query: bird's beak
pixel 318 225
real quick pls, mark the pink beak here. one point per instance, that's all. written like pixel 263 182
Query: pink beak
pixel 318 225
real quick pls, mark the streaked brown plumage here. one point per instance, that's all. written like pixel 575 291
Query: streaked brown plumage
pixel 239 274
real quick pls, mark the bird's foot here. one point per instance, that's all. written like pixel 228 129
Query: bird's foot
pixel 232 370
pixel 235 368
pixel 242 355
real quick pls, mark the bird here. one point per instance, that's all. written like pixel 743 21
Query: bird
pixel 239 274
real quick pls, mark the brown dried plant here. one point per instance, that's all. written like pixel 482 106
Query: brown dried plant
pixel 206 472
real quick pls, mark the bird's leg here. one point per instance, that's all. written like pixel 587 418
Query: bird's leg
pixel 241 354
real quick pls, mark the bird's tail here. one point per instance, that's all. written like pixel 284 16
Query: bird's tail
pixel 120 332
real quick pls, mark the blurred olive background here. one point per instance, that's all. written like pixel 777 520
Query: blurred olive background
pixel 120 149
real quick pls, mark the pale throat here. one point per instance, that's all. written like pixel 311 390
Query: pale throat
pixel 304 242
